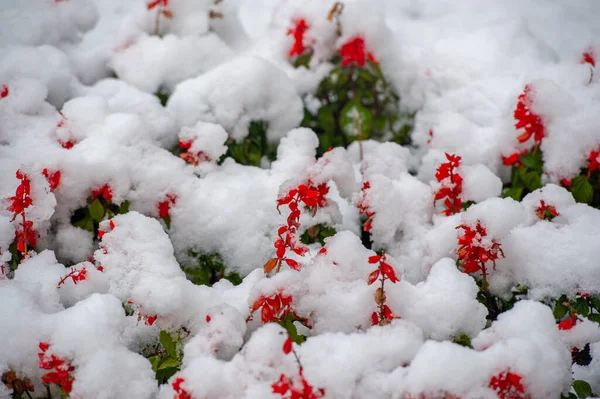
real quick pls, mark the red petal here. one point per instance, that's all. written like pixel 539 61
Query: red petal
pixel 389 272
pixel 373 276
pixel 292 263
pixel 374 259
pixel 287 346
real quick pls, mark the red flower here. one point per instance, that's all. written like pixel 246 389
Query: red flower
pixel 589 57
pixel 62 369
pixel 208 318
pixel 508 386
pixel 104 191
pixel 475 250
pixel 75 275
pixel 153 3
pixel 593 164
pixel 297 31
pixel 287 345
pixel 165 206
pixel 180 392
pixel 364 207
pixel 569 323
pixel 25 236
pixel 296 389
pixel 511 159
pixel 22 198
pixel 353 51
pixel 546 212
pixel 386 271
pixel 528 121
pixel 53 178
pixel 313 197
pixel 3 91
pixel 451 182
pixel 566 182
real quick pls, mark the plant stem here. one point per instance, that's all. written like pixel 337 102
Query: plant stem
pixel 156 23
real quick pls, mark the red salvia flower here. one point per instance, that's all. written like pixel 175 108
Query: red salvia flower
pixel 353 52
pixel 589 57
pixel 153 3
pixel 569 323
pixel 528 121
pixel 180 392
pixel 593 164
pixel 165 206
pixel 364 208
pixel 53 178
pixel 75 275
pixel 62 370
pixel 3 91
pixel 475 249
pixel 545 211
pixel 25 235
pixel 386 272
pixel 451 185
pixel 275 308
pixel 312 197
pixel 508 386
pixel 105 191
pixel 297 31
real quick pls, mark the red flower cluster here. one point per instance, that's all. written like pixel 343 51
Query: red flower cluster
pixel 165 206
pixel 589 57
pixel 545 211
pixel 53 178
pixel 312 197
pixel 475 249
pixel 364 207
pixel 105 191
pixel 569 323
pixel 353 52
pixel 62 369
pixel 297 31
pixel 385 271
pixel 76 275
pixel 148 320
pixel 180 392
pixel 191 157
pixel 24 234
pixel 275 308
pixel 508 386
pixel 3 91
pixel 295 388
pixel 593 164
pixel 528 121
pixel 451 182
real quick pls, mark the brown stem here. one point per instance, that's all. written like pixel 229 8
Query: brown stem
pixel 28 395
pixel 157 22
pixel 24 233
pixel 48 392
pixel 360 146
pixel 382 304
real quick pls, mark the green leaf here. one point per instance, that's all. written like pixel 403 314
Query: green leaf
pixel 154 361
pixel 124 207
pixel 533 160
pixel 163 375
pixel 513 192
pixel 582 389
pixel 355 119
pixel 303 60
pixel 169 362
pixel 595 302
pixel 326 119
pixel 463 340
pixel 582 190
pixel 560 310
pixel 594 317
pixel 168 343
pixel 582 307
pixel 96 210
pixel 531 179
